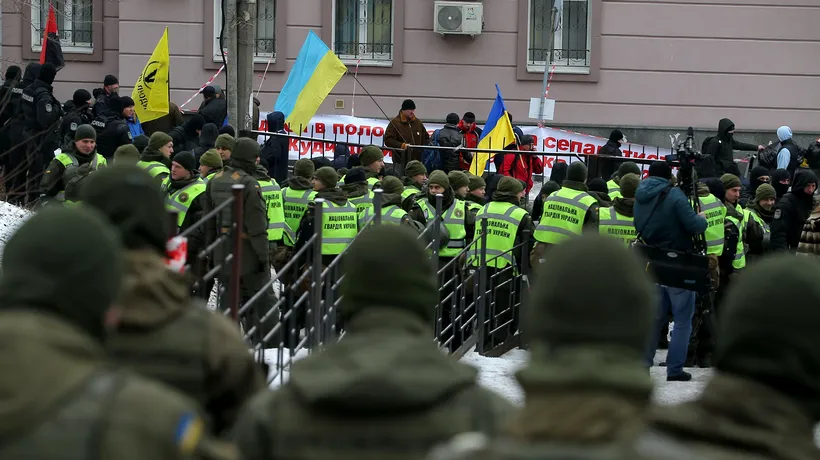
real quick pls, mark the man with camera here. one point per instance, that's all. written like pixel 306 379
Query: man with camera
pixel 664 218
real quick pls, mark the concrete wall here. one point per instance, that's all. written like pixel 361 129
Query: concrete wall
pixel 657 66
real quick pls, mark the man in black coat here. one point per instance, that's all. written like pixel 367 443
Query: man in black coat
pixel 112 130
pixel 612 148
pixel 42 112
pixel 10 92
pixel 276 148
pixel 16 164
pixel 79 111
pixel 721 150
pixel 111 85
pixel 186 136
pixel 792 211
pixel 213 108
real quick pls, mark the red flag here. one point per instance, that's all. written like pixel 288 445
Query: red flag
pixel 52 49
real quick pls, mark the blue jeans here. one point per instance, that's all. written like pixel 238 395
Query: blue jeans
pixel 682 305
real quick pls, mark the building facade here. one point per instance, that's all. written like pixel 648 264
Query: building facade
pixel 649 65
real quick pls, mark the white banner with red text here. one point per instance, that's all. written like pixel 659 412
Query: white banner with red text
pixel 331 128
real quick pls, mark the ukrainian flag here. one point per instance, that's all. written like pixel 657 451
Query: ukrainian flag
pixel 314 74
pixel 498 133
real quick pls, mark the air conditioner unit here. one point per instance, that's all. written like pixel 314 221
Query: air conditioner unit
pixel 458 18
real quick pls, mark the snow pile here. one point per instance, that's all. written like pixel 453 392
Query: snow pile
pixel 11 217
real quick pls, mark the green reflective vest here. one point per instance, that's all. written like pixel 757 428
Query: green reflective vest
pixel 749 213
pixel 409 191
pixel 180 200
pixel 276 213
pixel 612 186
pixel 362 202
pixel 208 177
pixel 391 214
pixel 339 227
pixel 453 220
pixel 69 160
pixel 611 223
pixel 503 220
pixel 715 233
pixel 473 206
pixel 371 182
pixel 563 215
pixel 739 260
pixel 156 169
pixel 295 205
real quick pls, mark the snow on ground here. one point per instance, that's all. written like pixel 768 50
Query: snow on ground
pixel 11 217
pixel 498 374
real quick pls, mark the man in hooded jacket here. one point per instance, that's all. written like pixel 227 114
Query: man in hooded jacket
pixel 17 162
pixel 78 112
pixel 587 394
pixel 792 211
pixel 790 155
pixel 10 94
pixel 361 397
pixel 275 150
pixel 764 400
pixel 757 176
pixel 781 181
pixel 255 264
pixel 721 150
pixel 163 333
pixel 213 109
pixel 42 112
pixel 612 148
pixel 112 130
pixel 61 395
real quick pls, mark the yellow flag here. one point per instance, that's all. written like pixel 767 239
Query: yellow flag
pixel 151 90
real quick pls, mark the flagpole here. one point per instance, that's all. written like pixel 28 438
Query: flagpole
pixel 168 42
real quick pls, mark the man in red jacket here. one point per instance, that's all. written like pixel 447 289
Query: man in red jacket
pixel 523 166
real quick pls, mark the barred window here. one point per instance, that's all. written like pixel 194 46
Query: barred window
pixel 559 34
pixel 265 47
pixel 74 22
pixel 363 30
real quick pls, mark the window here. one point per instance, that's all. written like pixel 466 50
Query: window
pixel 363 30
pixel 560 35
pixel 265 47
pixel 74 22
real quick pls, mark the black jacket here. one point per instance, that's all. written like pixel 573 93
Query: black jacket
pixel 73 118
pixel 101 102
pixel 609 167
pixel 214 110
pixel 42 112
pixel 185 138
pixel 207 139
pixel 275 150
pixel 791 213
pixel 10 94
pixel 112 132
pixel 795 153
pixel 721 150
pixel 450 136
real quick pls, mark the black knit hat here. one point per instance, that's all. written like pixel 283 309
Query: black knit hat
pixel 408 104
pixel 133 202
pixel 616 135
pixel 660 169
pixel 186 160
pixel 355 175
pixel 116 104
pixel 373 280
pixel 628 167
pixel 596 184
pixel 772 341
pixel 13 72
pixel 81 97
pixel 141 141
pixel 85 132
pixel 563 310
pixel 77 282
pixel 110 80
pixel 127 102
pixel 47 73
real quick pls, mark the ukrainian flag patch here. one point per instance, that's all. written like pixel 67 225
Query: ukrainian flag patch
pixel 189 432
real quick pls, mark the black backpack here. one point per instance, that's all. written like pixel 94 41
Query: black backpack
pixel 768 157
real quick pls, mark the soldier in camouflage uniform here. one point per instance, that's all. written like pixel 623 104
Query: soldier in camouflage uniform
pixel 163 333
pixel 765 398
pixel 255 264
pixel 587 392
pixel 384 391
pixel 60 396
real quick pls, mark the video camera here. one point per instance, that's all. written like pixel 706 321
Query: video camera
pixel 685 156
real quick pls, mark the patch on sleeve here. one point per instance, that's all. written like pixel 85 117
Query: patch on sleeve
pixel 777 213
pixel 189 433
